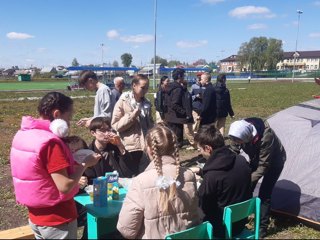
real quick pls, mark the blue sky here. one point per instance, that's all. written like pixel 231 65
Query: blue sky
pixel 53 32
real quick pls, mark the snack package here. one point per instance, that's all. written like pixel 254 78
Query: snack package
pixel 80 155
pixel 100 194
pixel 112 185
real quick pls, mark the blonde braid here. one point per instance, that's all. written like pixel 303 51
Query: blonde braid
pixel 173 187
pixel 155 156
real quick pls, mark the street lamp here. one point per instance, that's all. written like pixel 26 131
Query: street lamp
pixel 296 54
pixel 101 54
pixel 155 44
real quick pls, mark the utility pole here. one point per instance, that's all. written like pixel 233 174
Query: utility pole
pixel 155 44
pixel 102 45
pixel 296 54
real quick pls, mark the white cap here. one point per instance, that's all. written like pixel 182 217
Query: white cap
pixel 243 130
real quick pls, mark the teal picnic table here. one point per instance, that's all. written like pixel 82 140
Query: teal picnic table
pixel 101 220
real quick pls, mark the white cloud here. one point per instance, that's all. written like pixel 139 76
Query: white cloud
pixel 15 35
pixel 245 11
pixel 257 26
pixel 112 34
pixel 136 46
pixel 316 3
pixel 139 38
pixel 189 44
pixel 212 1
pixel 41 49
pixel 30 60
pixel 315 35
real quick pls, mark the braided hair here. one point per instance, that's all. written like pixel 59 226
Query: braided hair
pixel 54 101
pixel 162 141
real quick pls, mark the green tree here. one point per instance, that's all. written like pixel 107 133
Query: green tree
pixel 174 63
pixel 115 63
pixel 126 59
pixel 160 60
pixel 75 62
pixel 260 53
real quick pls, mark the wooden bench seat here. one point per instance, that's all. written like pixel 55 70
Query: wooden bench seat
pixel 23 232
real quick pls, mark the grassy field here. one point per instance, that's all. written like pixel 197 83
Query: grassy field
pixel 260 99
pixel 9 86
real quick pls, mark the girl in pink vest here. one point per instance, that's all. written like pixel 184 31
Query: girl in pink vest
pixel 45 176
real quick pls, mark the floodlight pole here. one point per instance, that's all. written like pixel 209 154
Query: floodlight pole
pixel 295 55
pixel 155 44
pixel 101 54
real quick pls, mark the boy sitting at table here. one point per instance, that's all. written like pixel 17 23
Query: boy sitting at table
pixel 108 144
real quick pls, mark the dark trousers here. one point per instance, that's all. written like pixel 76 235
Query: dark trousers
pixel 137 163
pixel 268 182
pixel 177 128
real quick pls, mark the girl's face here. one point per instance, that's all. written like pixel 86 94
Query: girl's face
pixel 165 83
pixel 140 89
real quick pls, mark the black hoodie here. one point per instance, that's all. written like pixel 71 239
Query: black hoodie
pixel 223 101
pixel 226 180
pixel 174 96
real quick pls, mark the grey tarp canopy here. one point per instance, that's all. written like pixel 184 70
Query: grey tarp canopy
pixel 297 192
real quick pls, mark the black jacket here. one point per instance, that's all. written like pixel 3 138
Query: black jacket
pixel 111 160
pixel 159 103
pixel 208 113
pixel 226 180
pixel 223 101
pixel 187 105
pixel 175 112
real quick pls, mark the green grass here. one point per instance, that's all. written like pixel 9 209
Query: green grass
pixel 260 99
pixel 6 86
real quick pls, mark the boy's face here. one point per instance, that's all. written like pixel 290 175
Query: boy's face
pixel 205 150
pixel 102 134
pixel 91 85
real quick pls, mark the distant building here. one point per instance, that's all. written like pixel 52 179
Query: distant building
pixel 148 69
pixel 230 64
pixel 305 60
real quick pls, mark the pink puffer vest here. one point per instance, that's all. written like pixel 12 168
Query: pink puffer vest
pixel 33 184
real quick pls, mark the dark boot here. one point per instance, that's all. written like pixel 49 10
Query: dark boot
pixel 264 217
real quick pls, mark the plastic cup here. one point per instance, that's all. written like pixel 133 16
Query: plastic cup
pixel 89 190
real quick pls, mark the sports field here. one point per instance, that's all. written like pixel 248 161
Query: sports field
pixel 48 85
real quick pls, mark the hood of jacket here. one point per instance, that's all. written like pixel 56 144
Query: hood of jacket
pixel 222 159
pixel 219 87
pixel 173 85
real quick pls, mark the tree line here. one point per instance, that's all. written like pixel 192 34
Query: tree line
pixel 260 53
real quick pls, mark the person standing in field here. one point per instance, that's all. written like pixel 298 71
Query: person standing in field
pixel 159 101
pixel 118 88
pixel 209 104
pixel 197 94
pixel 104 101
pixel 45 175
pixel 223 103
pixel 132 119
pixel 175 114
